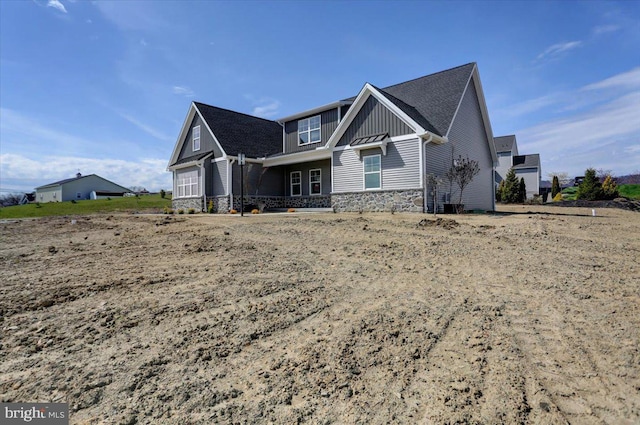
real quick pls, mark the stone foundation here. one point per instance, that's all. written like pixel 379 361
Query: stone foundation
pixel 186 203
pixel 279 202
pixel 384 200
pixel 220 204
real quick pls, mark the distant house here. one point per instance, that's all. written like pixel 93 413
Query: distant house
pixel 77 188
pixel 370 152
pixel 525 166
pixel 27 198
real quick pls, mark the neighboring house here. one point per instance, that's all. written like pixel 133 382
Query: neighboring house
pixel 371 152
pixel 525 166
pixel 76 188
pixel 27 198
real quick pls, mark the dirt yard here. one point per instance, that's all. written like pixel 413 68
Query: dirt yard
pixel 532 316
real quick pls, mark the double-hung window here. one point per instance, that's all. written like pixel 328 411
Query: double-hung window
pixel 188 184
pixel 372 175
pixel 196 138
pixel 315 182
pixel 296 183
pixel 309 130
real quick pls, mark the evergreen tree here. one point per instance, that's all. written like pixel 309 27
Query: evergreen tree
pixel 555 187
pixel 610 188
pixel 499 191
pixel 511 188
pixel 522 191
pixel 590 189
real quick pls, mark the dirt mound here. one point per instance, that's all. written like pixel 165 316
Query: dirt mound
pixel 445 223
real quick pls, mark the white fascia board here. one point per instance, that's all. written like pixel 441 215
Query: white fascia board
pixel 404 137
pixel 369 90
pixel 314 111
pixel 198 163
pixel 295 158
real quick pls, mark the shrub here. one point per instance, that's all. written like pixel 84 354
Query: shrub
pixel 191 211
pixel 291 210
pixel 162 193
pixel 610 188
pixel 73 201
pixel 558 197
pixel 255 211
pixel 555 187
pixel 210 206
pixel 590 189
pixel 232 211
pixel 180 211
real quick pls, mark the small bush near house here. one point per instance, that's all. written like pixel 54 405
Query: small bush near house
pixel 210 207
pixel 168 210
pixel 162 193
pixel 191 211
pixel 291 210
pixel 558 197
pixel 232 211
pixel 255 211
pixel 180 211
pixel 73 201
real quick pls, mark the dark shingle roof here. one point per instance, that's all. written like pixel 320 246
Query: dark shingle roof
pixel 526 161
pixel 504 143
pixel 61 182
pixel 191 158
pixel 238 132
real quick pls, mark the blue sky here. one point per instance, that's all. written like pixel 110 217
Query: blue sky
pixel 103 87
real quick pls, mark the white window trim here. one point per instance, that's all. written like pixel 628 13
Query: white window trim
pixel 364 173
pixel 309 130
pixel 291 183
pixel 311 183
pixel 193 138
pixel 189 183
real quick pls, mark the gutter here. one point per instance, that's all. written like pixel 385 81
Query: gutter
pixel 434 138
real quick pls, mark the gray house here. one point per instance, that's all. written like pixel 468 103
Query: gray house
pixel 525 166
pixel 371 152
pixel 77 188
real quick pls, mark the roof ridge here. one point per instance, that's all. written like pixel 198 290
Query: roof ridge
pixel 235 112
pixel 430 75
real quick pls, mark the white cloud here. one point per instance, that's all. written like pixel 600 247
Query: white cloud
pixel 57 5
pixel 602 29
pixel 23 173
pixel 268 110
pixel 627 80
pixel 144 127
pixel 183 91
pixel 557 49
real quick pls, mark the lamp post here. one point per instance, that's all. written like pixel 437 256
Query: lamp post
pixel 241 161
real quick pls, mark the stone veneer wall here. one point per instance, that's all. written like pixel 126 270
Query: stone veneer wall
pixel 186 203
pixel 384 200
pixel 220 204
pixel 272 202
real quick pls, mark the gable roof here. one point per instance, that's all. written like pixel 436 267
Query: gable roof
pixel 61 182
pixel 237 132
pixel 526 161
pixel 432 100
pixel 504 143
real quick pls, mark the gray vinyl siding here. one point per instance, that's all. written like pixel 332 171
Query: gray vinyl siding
pixel 505 160
pixel 256 182
pixel 438 160
pixel 400 167
pixel 328 124
pixel 207 143
pixel 49 194
pixel 531 180
pixel 325 177
pixel 374 118
pixel 86 185
pixel 468 138
pixel 219 178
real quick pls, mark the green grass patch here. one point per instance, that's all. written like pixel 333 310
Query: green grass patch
pixel 143 204
pixel 569 193
pixel 631 191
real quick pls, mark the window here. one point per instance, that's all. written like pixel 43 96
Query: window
pixel 309 130
pixel 315 182
pixel 372 177
pixel 296 183
pixel 188 184
pixel 78 195
pixel 196 138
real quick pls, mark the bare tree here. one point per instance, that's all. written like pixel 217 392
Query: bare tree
pixel 462 173
pixel 563 177
pixel 10 199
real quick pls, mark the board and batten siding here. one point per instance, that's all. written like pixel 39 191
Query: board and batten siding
pixel 328 124
pixel 374 118
pixel 400 167
pixel 207 143
pixel 468 138
pixel 219 178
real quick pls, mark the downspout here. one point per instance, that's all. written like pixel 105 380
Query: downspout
pixel 423 177
pixel 230 182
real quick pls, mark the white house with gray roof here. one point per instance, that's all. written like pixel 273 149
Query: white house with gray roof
pixel 78 188
pixel 370 152
pixel 525 166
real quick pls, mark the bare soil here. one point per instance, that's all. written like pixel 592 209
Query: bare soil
pixel 530 316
